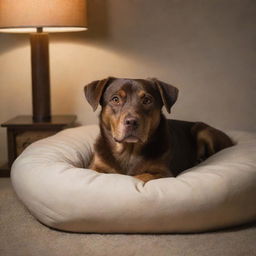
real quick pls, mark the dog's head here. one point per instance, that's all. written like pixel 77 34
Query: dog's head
pixel 131 108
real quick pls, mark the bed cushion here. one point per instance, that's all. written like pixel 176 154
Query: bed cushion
pixel 51 179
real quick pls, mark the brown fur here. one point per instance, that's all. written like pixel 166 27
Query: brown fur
pixel 136 139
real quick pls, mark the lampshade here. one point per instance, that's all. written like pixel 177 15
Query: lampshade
pixel 25 16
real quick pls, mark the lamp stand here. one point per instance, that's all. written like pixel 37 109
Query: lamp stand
pixel 41 101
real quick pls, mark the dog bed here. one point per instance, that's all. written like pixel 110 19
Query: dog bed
pixel 51 179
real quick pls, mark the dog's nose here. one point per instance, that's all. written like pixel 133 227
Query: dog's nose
pixel 132 122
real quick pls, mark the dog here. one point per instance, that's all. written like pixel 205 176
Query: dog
pixel 136 138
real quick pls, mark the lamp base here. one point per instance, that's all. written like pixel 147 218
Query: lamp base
pixel 40 77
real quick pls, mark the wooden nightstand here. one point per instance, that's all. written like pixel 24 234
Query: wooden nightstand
pixel 22 131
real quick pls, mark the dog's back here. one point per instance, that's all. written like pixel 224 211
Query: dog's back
pixel 182 143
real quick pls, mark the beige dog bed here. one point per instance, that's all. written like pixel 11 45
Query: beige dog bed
pixel 51 180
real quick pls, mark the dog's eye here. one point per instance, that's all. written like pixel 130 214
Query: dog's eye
pixel 146 100
pixel 115 100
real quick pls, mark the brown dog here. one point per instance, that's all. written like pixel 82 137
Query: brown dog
pixel 135 137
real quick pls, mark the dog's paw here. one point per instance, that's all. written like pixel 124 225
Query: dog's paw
pixel 148 176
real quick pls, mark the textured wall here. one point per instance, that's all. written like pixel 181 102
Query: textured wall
pixel 205 48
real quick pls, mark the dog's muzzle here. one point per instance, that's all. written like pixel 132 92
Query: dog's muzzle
pixel 129 130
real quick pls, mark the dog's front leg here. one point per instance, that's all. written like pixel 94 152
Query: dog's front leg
pixel 100 166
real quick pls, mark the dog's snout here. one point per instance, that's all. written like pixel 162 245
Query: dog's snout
pixel 132 122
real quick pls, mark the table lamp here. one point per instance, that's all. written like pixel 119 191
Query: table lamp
pixel 40 17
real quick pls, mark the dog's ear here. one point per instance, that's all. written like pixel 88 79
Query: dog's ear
pixel 169 93
pixel 94 90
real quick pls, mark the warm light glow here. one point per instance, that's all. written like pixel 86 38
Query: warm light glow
pixel 45 29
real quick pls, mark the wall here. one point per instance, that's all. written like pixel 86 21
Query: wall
pixel 204 47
